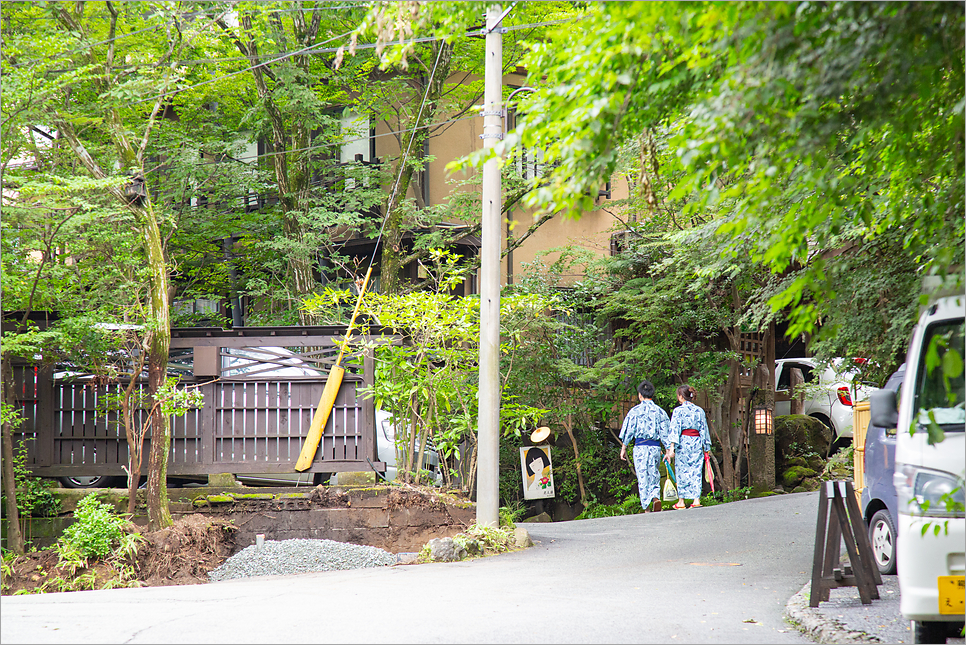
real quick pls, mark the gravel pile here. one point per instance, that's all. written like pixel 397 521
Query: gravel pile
pixel 285 557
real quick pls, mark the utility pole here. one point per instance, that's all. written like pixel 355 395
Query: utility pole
pixel 488 426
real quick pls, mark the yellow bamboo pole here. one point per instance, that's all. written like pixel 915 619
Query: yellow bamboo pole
pixel 331 391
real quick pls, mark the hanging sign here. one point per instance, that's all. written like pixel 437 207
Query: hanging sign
pixel 537 473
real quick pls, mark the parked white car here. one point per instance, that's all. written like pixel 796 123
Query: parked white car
pixel 386 449
pixel 831 393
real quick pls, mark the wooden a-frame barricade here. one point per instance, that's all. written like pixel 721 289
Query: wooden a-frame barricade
pixel 839 517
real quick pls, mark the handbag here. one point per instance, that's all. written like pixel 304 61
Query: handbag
pixel 670 490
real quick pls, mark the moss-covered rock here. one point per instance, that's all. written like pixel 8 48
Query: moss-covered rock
pixel 812 483
pixel 794 475
pixel 816 463
pixel 798 461
pixel 798 435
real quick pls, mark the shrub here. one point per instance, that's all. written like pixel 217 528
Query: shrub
pixel 96 530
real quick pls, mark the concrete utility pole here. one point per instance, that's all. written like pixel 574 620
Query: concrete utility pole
pixel 488 427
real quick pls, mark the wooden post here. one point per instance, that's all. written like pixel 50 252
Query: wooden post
pixel 762 446
pixel 798 400
pixel 860 425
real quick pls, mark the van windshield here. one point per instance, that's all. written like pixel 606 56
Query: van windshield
pixel 941 390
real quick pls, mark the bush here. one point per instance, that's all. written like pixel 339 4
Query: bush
pixel 96 530
pixel 630 506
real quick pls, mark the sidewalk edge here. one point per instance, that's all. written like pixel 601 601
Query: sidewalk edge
pixel 818 627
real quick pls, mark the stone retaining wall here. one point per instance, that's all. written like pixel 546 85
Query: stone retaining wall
pixel 394 518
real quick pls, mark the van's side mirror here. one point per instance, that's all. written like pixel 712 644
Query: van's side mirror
pixel 882 405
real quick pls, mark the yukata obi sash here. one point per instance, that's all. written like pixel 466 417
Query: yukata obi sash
pixel 647 442
pixel 691 432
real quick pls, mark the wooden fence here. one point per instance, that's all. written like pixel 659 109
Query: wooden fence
pixel 260 387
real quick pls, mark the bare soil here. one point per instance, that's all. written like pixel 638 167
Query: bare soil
pixel 185 552
pixel 181 554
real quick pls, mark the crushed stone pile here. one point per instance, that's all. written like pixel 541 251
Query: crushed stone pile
pixel 285 557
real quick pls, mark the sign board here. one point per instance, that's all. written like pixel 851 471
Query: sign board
pixel 537 473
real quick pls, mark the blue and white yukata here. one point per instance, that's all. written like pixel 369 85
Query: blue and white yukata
pixel 688 450
pixel 646 426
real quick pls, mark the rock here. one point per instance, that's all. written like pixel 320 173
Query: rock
pixel 794 475
pixel 563 512
pixel 521 538
pixel 796 461
pixel 810 435
pixel 816 463
pixel 812 483
pixel 360 478
pixel 542 517
pixel 800 489
pixel 445 550
pixel 407 558
pixel 226 480
pixel 473 547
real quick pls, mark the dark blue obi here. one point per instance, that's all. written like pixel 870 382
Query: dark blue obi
pixel 647 442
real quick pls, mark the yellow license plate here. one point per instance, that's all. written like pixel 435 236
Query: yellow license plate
pixel 952 594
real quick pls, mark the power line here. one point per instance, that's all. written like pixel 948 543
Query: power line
pixel 314 49
pixel 327 50
pixel 241 71
pixel 187 14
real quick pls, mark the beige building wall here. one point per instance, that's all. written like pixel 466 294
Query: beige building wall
pixel 591 231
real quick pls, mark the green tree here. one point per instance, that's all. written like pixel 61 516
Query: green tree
pixel 103 97
pixel 420 87
pixel 797 126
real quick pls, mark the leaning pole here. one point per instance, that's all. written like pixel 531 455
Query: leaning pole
pixel 488 463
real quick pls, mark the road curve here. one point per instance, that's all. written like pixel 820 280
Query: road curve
pixel 718 574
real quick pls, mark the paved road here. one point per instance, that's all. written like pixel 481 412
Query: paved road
pixel 718 574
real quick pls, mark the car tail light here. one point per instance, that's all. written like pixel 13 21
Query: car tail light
pixel 844 397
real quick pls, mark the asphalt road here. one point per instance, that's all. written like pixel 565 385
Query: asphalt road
pixel 719 574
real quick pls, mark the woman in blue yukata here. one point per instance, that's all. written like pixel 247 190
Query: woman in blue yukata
pixel 646 426
pixel 689 434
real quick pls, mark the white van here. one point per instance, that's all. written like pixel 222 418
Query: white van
pixel 929 472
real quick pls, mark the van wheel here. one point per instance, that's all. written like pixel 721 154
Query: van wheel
pixel 929 632
pixel 882 536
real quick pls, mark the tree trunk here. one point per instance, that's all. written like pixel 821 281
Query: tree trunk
pixel 135 445
pixel 159 344
pixel 568 426
pixel 411 150
pixel 728 419
pixel 391 278
pixel 14 534
pixel 292 175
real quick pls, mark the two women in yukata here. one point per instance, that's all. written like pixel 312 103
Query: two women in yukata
pixel 647 427
pixel 685 437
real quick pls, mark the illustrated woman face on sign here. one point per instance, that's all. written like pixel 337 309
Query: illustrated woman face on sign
pixel 537 461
